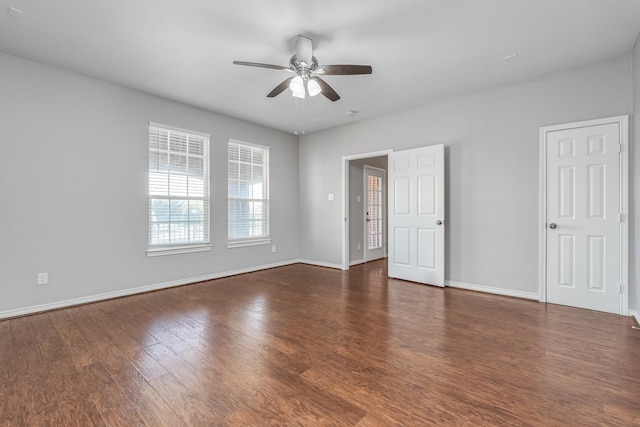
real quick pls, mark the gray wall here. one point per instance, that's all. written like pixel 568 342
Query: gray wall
pixel 73 180
pixel 492 150
pixel 356 209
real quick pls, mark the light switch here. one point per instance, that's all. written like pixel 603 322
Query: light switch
pixel 330 197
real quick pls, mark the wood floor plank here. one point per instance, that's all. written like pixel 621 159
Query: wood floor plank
pixel 149 404
pixel 74 413
pixel 51 344
pixel 276 404
pixel 7 353
pixel 207 381
pixel 78 349
pixel 191 407
pixel 12 411
pixel 112 404
pixel 305 345
pixel 373 419
pixel 374 395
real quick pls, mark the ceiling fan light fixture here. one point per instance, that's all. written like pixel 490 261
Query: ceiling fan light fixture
pixel 313 87
pixel 297 87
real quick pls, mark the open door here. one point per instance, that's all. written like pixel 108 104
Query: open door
pixel 416 215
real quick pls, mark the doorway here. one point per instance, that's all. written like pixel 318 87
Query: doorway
pixel 361 219
pixel 353 213
pixel 584 199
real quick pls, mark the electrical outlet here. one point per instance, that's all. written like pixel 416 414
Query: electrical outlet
pixel 273 248
pixel 43 279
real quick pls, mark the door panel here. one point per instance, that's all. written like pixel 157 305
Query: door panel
pixel 596 263
pixel 402 244
pixel 566 260
pixel 416 215
pixel 427 248
pixel 596 191
pixel 402 200
pixel 583 203
pixel 427 195
pixel 566 190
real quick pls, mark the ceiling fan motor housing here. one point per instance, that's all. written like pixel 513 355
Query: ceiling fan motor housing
pixel 303 69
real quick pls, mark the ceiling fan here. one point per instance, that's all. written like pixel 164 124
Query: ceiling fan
pixel 307 71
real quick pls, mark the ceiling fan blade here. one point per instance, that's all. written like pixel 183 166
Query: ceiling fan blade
pixel 327 90
pixel 280 88
pixel 344 70
pixel 304 50
pixel 257 64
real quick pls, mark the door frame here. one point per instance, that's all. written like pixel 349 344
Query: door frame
pixel 345 198
pixel 384 209
pixel 623 125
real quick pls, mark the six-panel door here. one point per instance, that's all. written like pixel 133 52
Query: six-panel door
pixel 583 223
pixel 416 215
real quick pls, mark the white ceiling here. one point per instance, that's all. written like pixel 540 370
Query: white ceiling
pixel 420 50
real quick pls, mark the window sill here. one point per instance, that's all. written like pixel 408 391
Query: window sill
pixel 244 243
pixel 151 252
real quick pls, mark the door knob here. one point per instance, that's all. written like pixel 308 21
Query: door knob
pixel 438 222
pixel 553 226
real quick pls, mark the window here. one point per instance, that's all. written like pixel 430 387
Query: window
pixel 374 211
pixel 248 193
pixel 178 190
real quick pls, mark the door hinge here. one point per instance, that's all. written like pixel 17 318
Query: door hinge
pixel 620 218
pixel 619 148
pixel 621 289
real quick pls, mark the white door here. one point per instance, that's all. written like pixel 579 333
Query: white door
pixel 416 215
pixel 374 225
pixel 583 217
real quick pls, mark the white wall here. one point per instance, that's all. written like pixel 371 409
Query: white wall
pixel 73 186
pixel 492 149
pixel 634 265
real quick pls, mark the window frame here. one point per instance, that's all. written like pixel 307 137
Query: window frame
pixel 251 240
pixel 156 249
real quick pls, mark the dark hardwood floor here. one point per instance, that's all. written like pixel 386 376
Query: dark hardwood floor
pixel 305 346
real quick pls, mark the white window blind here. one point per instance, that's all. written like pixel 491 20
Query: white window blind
pixel 178 188
pixel 248 192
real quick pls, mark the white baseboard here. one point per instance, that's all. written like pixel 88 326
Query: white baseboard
pixel 356 262
pixel 636 315
pixel 320 263
pixel 137 290
pixel 181 282
pixel 492 290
